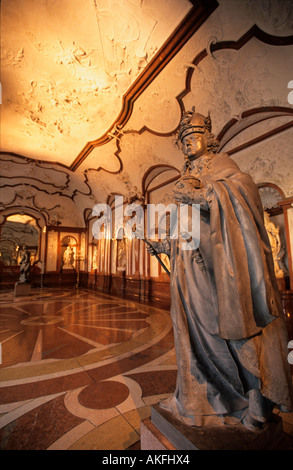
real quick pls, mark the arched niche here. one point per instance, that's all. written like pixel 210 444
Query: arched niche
pixel 19 231
pixel 277 227
pixel 69 246
pixel 159 181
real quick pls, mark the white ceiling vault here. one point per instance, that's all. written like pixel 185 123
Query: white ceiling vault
pixel 72 69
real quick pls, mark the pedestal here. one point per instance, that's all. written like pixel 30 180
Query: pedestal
pixel 151 438
pixel 22 289
pixel 166 431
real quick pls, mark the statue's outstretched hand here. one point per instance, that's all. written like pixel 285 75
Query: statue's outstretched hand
pixel 152 247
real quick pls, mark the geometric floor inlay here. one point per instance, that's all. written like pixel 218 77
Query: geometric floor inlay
pixel 80 369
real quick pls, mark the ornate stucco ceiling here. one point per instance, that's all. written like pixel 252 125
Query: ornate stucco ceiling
pixel 81 121
pixel 71 68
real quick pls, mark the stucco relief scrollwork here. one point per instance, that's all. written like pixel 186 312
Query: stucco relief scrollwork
pixel 268 161
pixel 45 188
pixel 229 75
pixel 275 15
pixel 48 178
pixel 124 32
pixel 85 70
pixel 12 165
pixel 231 81
pixel 24 198
pixel 269 197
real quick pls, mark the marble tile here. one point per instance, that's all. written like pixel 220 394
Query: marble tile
pixel 163 381
pixel 69 438
pixel 36 430
pixel 134 400
pixel 58 344
pixel 14 410
pixel 25 391
pixel 134 417
pixel 127 364
pixel 100 335
pixel 103 395
pixel 115 434
pixel 94 416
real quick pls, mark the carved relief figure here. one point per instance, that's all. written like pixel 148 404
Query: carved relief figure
pixel 229 331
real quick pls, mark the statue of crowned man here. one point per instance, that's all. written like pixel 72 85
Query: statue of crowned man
pixel 229 330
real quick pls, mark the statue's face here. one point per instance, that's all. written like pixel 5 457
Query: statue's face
pixel 194 145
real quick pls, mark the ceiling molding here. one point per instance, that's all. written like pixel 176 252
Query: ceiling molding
pixel 260 114
pixel 253 32
pixel 200 11
pixel 248 119
pixel 109 171
pixel 198 14
pixel 63 189
pixel 261 138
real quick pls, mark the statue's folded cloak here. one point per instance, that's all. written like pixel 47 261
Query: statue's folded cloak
pixel 242 262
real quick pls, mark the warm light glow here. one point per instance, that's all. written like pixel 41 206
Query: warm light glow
pixel 68 64
pixel 21 219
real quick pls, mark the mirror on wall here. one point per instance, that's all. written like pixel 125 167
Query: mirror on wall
pixel 19 232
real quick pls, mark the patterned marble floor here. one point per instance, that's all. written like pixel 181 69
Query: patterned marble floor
pixel 80 370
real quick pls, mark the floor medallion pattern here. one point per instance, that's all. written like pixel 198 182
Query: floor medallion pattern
pixel 80 369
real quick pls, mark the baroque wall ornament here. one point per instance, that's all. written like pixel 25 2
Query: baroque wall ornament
pixel 239 69
pixel 270 197
pixel 47 189
pixel 196 16
pixel 276 15
pixel 249 104
pixel 52 179
pixel 267 160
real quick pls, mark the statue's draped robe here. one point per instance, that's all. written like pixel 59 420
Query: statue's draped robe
pixel 229 330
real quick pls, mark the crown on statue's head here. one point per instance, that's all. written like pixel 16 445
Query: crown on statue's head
pixel 192 122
